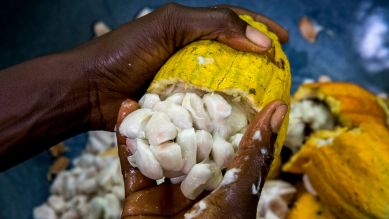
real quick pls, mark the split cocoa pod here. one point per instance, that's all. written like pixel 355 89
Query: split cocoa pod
pixel 350 103
pixel 198 107
pixel 347 165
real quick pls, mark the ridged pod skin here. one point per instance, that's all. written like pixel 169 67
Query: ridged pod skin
pixel 384 103
pixel 349 169
pixel 211 66
pixel 308 206
pixel 350 103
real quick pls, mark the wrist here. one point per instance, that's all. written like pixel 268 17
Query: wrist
pixel 71 95
pixel 101 86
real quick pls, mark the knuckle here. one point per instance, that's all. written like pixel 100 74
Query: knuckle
pixel 226 13
pixel 229 20
pixel 229 23
pixel 171 13
pixel 171 7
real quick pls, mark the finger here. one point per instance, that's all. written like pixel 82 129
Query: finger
pixel 222 24
pixel 126 108
pixel 168 198
pixel 238 196
pixel 273 26
pixel 133 178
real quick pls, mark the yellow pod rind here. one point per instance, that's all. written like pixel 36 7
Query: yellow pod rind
pixel 256 79
pixel 309 207
pixel 384 103
pixel 351 173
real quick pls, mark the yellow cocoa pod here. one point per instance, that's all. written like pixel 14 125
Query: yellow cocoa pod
pixel 348 168
pixel 309 207
pixel 350 103
pixel 254 79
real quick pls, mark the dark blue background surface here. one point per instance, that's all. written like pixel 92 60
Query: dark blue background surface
pixel 347 49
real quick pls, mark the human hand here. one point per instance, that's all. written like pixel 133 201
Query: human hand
pixel 122 63
pixel 144 198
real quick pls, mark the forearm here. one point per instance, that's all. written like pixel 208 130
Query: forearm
pixel 43 101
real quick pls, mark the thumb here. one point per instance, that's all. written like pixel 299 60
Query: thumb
pixel 221 24
pixel 133 178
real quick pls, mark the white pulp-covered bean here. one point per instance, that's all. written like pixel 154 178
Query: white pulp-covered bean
pixel 146 162
pixel 106 177
pixel 57 203
pixel 112 207
pixel 58 185
pixel 96 208
pixel 87 186
pixel 86 160
pixel 316 114
pixel 160 181
pixel 187 140
pixel 133 125
pixel 149 100
pixel 295 135
pixel 237 120
pixel 194 104
pixel 80 202
pixel 118 191
pixel 275 198
pixel 221 129
pixel 99 141
pixel 70 187
pixel 217 107
pixel 44 212
pixel 177 114
pixel 196 180
pixel 71 214
pixel 204 143
pixel 231 125
pixel 105 207
pixel 177 180
pixel 131 144
pixel 102 162
pixel 222 151
pixel 235 140
pixel 176 98
pixel 169 155
pixel 217 176
pixel 160 129
pixel 307 113
pixel 85 182
pixel 132 160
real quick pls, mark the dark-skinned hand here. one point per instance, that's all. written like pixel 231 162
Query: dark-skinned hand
pixel 125 60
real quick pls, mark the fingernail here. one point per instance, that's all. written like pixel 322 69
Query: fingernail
pixel 278 118
pixel 258 37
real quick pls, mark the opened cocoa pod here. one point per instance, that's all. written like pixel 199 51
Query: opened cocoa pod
pixel 190 123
